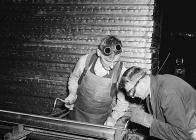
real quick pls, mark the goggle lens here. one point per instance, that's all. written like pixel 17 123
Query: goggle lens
pixel 118 47
pixel 131 92
pixel 108 50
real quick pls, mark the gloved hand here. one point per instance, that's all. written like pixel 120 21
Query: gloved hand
pixel 69 101
pixel 193 134
pixel 138 115
pixel 122 122
pixel 110 121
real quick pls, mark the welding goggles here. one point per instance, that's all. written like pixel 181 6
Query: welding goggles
pixel 132 91
pixel 110 45
pixel 108 50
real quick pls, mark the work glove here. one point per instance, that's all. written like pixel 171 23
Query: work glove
pixel 69 101
pixel 138 115
pixel 193 134
pixel 122 122
pixel 124 119
pixel 110 121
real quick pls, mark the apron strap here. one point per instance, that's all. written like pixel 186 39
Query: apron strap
pixel 117 72
pixel 115 77
pixel 90 59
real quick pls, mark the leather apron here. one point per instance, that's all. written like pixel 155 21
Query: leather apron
pixel 94 99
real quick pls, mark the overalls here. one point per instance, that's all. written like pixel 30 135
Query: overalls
pixel 95 95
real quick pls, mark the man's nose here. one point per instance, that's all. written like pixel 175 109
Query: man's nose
pixel 112 56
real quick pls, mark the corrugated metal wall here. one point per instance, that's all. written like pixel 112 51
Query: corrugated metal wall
pixel 41 40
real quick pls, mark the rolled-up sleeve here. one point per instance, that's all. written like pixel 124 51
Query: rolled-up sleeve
pixel 75 75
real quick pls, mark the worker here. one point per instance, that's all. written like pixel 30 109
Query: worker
pixel 93 83
pixel 171 103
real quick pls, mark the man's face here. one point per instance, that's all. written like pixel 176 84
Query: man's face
pixel 109 62
pixel 109 51
pixel 137 89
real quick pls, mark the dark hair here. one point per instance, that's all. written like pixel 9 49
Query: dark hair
pixel 131 74
pixel 109 41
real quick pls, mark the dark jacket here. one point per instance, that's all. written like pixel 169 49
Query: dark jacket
pixel 173 103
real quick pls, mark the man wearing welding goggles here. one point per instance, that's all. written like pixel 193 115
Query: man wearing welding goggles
pixel 93 83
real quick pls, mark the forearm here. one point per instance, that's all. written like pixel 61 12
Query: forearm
pixel 75 75
pixel 73 84
pixel 118 110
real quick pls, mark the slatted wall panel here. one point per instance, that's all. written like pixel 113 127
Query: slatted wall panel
pixel 41 40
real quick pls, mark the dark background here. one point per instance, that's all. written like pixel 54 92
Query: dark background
pixel 178 37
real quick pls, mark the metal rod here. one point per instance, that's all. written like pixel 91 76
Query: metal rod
pixel 58 125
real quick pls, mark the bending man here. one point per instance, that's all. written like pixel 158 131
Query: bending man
pixel 171 101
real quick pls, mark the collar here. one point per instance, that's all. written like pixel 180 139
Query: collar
pixel 99 69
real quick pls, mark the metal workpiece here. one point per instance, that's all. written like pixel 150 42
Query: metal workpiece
pixel 43 125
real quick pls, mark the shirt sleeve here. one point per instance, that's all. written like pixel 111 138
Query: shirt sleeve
pixel 75 75
pixel 175 127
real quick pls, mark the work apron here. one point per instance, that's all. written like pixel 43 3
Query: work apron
pixel 94 101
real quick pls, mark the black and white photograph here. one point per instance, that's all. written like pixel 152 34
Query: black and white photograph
pixel 97 70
